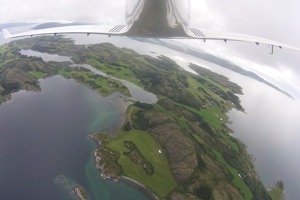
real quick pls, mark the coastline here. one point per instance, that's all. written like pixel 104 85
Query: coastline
pixel 122 179
pixel 277 190
pixel 129 181
pixel 187 112
pixel 79 192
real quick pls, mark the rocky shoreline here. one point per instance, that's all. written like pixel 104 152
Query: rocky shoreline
pixel 105 174
pixel 139 186
pixel 277 190
pixel 71 188
pixel 80 193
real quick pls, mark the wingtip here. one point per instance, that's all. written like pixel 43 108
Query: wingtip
pixel 6 33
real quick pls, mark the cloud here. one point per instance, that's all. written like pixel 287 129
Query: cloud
pixel 272 19
pixel 204 14
pixel 97 11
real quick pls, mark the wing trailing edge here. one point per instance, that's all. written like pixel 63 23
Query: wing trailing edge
pixel 205 35
pixel 127 30
pixel 80 29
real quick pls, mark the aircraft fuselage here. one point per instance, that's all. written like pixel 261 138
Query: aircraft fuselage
pixel 158 18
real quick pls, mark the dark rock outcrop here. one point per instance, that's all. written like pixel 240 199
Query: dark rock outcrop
pixel 180 149
pixel 14 79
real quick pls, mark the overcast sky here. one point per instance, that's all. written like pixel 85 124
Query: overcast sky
pixel 272 19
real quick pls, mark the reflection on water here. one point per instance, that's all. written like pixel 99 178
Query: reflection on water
pixel 45 56
pixel 271 131
pixel 137 93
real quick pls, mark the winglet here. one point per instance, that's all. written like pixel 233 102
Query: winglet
pixel 6 33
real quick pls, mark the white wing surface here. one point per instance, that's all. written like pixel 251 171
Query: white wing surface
pixel 225 36
pixel 191 33
pixel 79 29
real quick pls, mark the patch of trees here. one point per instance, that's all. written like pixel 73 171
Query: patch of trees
pixel 163 84
pixel 163 63
pixel 218 78
pixel 182 79
pixel 201 163
pixel 205 126
pixel 205 192
pixel 135 156
pixel 127 126
pixel 257 188
pixel 144 106
pixel 109 162
pixel 140 121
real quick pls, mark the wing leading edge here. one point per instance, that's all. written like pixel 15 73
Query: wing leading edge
pixel 190 33
pixel 79 29
pixel 156 19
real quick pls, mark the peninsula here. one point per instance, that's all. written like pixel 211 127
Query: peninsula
pixel 178 148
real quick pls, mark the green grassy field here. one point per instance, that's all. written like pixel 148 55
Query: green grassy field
pixel 214 116
pixel 237 180
pixel 232 143
pixel 37 75
pixel 277 191
pixel 5 51
pixel 211 115
pixel 162 181
pixel 119 72
pixel 276 194
pixel 102 85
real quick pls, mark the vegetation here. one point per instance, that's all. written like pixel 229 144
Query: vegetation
pixel 104 85
pixel 71 188
pixel 37 75
pixel 277 191
pixel 161 180
pixel 19 72
pixel 80 193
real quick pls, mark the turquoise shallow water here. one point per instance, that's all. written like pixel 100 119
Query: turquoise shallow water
pixel 44 135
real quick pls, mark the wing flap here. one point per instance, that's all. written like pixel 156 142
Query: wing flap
pixel 226 36
pixel 80 29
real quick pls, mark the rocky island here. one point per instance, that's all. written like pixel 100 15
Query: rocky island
pixel 178 148
pixel 70 188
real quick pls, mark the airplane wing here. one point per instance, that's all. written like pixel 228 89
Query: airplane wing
pixel 80 29
pixel 190 33
pixel 226 36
